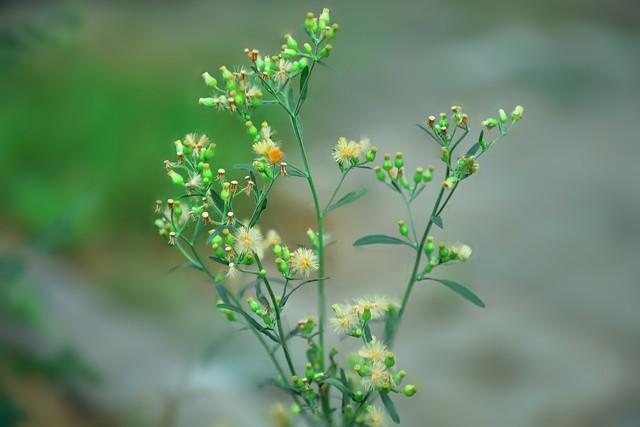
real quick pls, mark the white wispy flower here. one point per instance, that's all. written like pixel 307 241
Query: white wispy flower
pixel 232 272
pixel 379 376
pixel 374 417
pixel 345 321
pixel 378 306
pixel 194 182
pixel 273 238
pixel 346 152
pixel 248 240
pixel 462 251
pixel 303 262
pixel 374 351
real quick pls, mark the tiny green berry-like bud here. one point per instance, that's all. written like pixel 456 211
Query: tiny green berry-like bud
pixel 430 247
pixel 402 226
pixel 307 48
pixel 490 123
pixel 262 273
pixel 516 114
pixel 387 164
pixel 291 42
pixel 207 102
pixel 399 160
pixel 428 174
pixel 405 183
pixel 503 116
pixel 277 250
pixel 409 390
pixel 358 396
pixel 444 155
pixel 366 313
pixel 417 177
pixel 324 18
pixel 390 360
pixel 176 177
pixel 450 182
pixel 371 154
pixel 380 174
pixel 443 254
pixel 326 51
pixel 209 80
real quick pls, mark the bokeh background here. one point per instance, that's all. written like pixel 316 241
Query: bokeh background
pixel 95 331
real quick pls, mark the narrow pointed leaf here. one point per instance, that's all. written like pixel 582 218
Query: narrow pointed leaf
pixel 294 171
pixel 437 221
pixel 380 239
pixel 390 407
pixel 351 197
pixel 461 290
pixel 338 384
pixel 223 293
pixel 252 322
pixel 219 260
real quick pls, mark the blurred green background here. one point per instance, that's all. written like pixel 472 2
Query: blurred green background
pixel 94 330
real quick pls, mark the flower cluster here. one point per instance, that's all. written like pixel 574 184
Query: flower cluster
pixel 350 318
pixel 206 216
pixel 350 153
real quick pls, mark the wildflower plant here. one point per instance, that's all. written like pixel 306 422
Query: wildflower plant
pixel 204 225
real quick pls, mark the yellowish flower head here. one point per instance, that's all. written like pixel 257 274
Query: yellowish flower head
pixel 248 240
pixel 345 321
pixel 303 262
pixel 379 376
pixel 374 351
pixel 263 147
pixel 374 417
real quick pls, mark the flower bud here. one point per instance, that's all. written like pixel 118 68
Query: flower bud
pixel 430 246
pixel 417 177
pixel 387 164
pixel 326 51
pixel 313 237
pixel 443 253
pixel 444 155
pixel 516 114
pixel 226 74
pixel 428 174
pixel 251 129
pixel 450 182
pixel 503 116
pixel 366 313
pixel 371 154
pixel 209 80
pixel 490 123
pixel 390 360
pixel 324 18
pixel 282 266
pixel 380 175
pixel 402 226
pixel 409 390
pixel 277 250
pixel 207 102
pixel 431 121
pixel 286 255
pixel 399 160
pixel 405 183
pixel 291 42
pixel 307 48
pixel 176 177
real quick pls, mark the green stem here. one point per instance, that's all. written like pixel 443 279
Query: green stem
pixel 276 308
pixel 414 270
pixel 335 193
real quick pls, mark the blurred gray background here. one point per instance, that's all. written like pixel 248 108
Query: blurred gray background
pixel 94 329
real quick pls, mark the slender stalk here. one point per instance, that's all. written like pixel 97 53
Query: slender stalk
pixel 335 192
pixel 276 308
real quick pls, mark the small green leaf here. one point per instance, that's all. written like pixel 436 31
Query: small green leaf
pixel 294 171
pixel 259 210
pixel 351 197
pixel 380 239
pixel 460 290
pixel 223 293
pixel 219 260
pixel 473 150
pixel 304 83
pixel 252 322
pixel 217 200
pixel 301 284
pixel 437 221
pixel 390 407
pixel 338 384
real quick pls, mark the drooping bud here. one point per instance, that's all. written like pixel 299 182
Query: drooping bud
pixel 428 174
pixel 444 155
pixel 380 175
